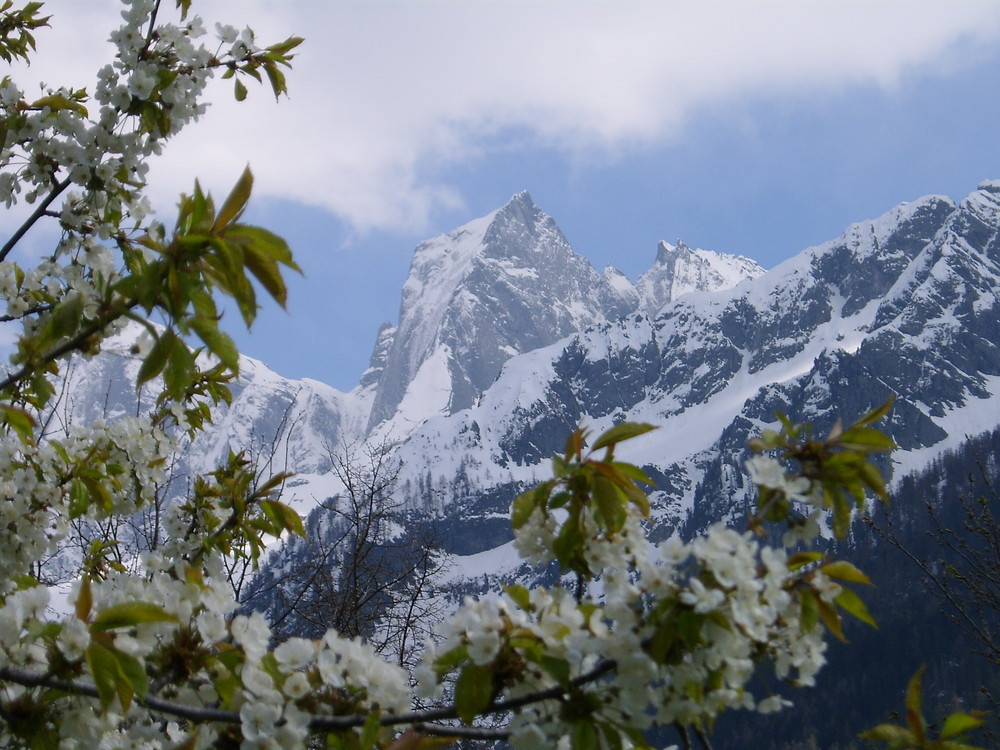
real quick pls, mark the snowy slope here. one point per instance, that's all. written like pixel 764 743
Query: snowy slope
pixel 282 424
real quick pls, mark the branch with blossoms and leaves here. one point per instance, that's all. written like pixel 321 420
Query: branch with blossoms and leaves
pixel 645 635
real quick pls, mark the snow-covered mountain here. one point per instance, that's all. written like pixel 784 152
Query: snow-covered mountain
pixel 507 339
pixel 905 304
pixel 502 285
pixel 679 269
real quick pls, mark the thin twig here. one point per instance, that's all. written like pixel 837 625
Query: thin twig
pixel 74 343
pixel 35 216
pixel 682 733
pixel 466 733
pixel 703 738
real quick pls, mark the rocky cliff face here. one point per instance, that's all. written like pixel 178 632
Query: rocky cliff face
pixel 501 285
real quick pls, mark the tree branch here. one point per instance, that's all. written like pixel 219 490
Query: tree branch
pixel 222 716
pixel 466 733
pixel 35 216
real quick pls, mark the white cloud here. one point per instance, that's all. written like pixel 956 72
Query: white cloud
pixel 383 94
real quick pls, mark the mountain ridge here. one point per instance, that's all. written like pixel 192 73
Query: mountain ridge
pixel 504 284
pixel 813 337
pixel 903 303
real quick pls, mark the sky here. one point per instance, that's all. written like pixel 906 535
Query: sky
pixel 756 128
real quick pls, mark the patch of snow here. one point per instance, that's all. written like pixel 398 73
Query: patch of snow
pixel 973 418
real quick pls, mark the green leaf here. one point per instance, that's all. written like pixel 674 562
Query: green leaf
pixel 609 502
pixel 831 618
pixel 130 668
pixel 226 684
pixel 841 510
pixel 612 739
pixel 104 670
pixel 84 600
pixel 959 723
pixel 64 319
pixel 218 342
pixel 558 669
pixel 283 48
pixel 79 498
pixel 620 433
pixel 20 421
pixel 115 674
pixel 57 102
pixel 662 643
pixel 636 738
pixel 99 494
pixel 520 596
pixel 689 624
pixel 449 660
pixel 877 413
pixel 156 359
pixel 866 439
pixel 558 500
pixel 808 610
pixel 801 559
pixel 129 614
pixel 473 691
pixel 574 443
pixel 542 492
pixel 632 472
pixel 262 252
pixel 914 712
pixel 179 371
pixel 276 78
pixel 239 90
pixel 283 516
pixel 853 604
pixel 236 201
pixel 369 732
pixel 568 547
pixel 872 477
pixel 845 571
pixel 583 736
pixel 896 736
pixel 638 498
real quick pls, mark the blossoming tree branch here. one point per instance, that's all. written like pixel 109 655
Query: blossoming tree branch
pixel 152 653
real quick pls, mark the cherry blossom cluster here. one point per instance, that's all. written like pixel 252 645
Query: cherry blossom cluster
pixel 47 484
pixel 91 152
pixel 733 595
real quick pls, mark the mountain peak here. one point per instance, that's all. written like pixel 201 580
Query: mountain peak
pixel 520 208
pixel 520 229
pixel 678 270
pixel 665 252
pixel 497 286
pixel 522 199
